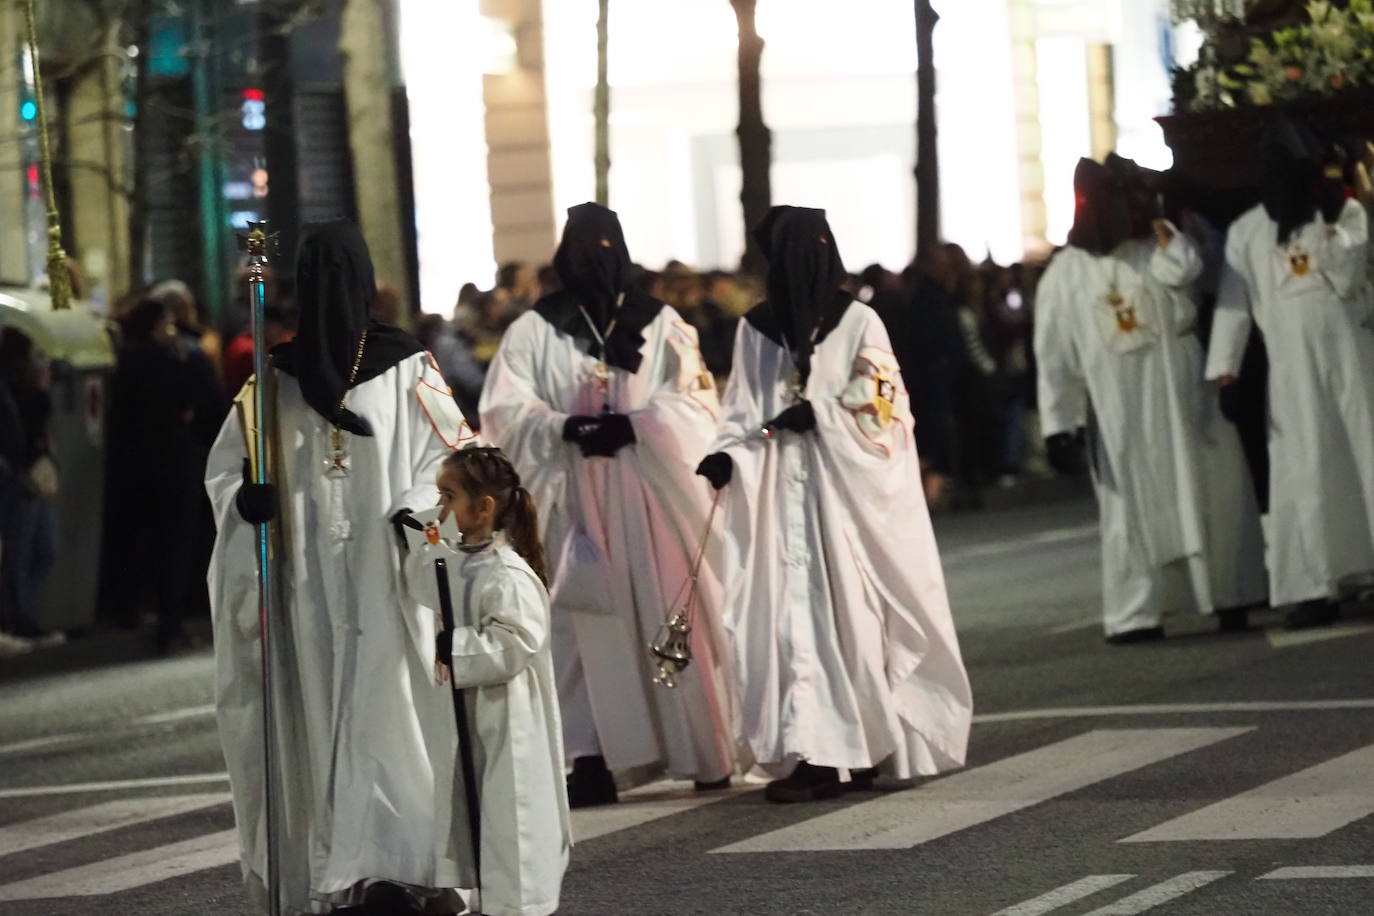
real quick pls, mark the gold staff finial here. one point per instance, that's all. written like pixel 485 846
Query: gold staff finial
pixel 59 281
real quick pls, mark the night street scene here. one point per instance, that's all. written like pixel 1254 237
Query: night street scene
pixel 669 457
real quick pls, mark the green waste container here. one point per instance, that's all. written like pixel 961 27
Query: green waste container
pixel 78 345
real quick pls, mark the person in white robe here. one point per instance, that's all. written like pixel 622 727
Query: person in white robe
pixel 1116 328
pixel 1296 265
pixel 600 397
pixel 498 654
pixel 845 646
pixel 364 743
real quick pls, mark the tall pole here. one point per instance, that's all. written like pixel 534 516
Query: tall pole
pixel 59 282
pixel 603 106
pixel 256 247
pixel 927 151
pixel 755 140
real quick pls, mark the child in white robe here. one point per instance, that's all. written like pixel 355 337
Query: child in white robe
pixel 499 655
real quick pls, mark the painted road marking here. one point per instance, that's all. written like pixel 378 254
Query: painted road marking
pixel 1169 709
pixel 1063 896
pixel 122 873
pixel 1318 872
pixel 101 818
pixel 1160 894
pixel 944 806
pixel 77 788
pixel 645 804
pixel 1303 805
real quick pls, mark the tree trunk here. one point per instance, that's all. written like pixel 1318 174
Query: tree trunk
pixel 603 107
pixel 927 153
pixel 755 140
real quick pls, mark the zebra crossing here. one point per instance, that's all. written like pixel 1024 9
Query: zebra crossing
pixel 1312 802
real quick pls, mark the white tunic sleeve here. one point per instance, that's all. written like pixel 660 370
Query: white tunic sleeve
pixel 513 625
pixel 1344 260
pixel 436 426
pixel 680 416
pixel 1179 263
pixel 1231 323
pixel 513 414
pixel 1063 392
pixel 742 409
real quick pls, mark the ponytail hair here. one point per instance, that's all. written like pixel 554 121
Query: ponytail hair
pixel 488 472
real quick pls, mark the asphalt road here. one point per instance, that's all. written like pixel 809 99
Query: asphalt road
pixel 1206 774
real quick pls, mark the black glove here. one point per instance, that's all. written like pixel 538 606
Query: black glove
pixel 577 429
pixel 256 502
pixel 718 468
pixel 799 418
pixel 400 522
pixel 1065 453
pixel 614 432
pixel 443 647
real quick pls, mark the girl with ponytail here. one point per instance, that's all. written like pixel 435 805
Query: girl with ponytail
pixel 498 652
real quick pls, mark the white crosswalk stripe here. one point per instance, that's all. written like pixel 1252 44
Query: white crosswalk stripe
pixel 1063 896
pixel 1159 894
pixel 985 793
pixel 122 873
pixel 112 815
pixel 1310 803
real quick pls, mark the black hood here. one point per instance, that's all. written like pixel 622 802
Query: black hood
pixel 1291 162
pixel 1102 213
pixel 593 261
pixel 335 291
pixel 805 275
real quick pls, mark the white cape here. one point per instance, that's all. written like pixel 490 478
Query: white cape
pixel 501 659
pixel 621 533
pixel 1180 522
pixel 1313 303
pixel 365 742
pixel 845 645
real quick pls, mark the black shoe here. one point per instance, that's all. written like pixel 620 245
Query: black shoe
pixel 861 780
pixel 1144 634
pixel 807 783
pixel 1317 613
pixel 385 899
pixel 1233 619
pixel 716 786
pixel 591 784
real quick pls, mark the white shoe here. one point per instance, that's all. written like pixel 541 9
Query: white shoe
pixel 11 646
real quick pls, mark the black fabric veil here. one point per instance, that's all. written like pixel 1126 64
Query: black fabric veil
pixel 1291 160
pixel 805 275
pixel 1102 212
pixel 336 291
pixel 594 264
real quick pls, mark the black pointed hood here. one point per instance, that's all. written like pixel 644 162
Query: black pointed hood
pixel 805 279
pixel 335 291
pixel 1102 214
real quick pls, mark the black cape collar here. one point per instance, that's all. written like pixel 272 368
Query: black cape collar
pixel 561 310
pixel 765 321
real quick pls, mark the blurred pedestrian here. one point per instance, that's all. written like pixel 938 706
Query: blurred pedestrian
pixel 460 368
pixel 838 671
pixel 153 466
pixel 28 516
pixel 1116 349
pixel 1297 266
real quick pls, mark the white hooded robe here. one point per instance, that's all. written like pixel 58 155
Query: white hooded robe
pixel 1312 301
pixel 1179 518
pixel 365 742
pixel 845 646
pixel 621 533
